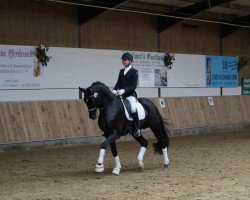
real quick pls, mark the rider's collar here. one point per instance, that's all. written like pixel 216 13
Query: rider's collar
pixel 127 69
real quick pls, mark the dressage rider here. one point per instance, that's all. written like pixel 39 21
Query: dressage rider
pixel 125 87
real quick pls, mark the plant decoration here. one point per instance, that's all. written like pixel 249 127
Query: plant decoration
pixel 40 53
pixel 242 63
pixel 168 59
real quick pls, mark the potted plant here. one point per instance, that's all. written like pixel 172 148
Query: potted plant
pixel 243 62
pixel 42 59
pixel 40 53
pixel 168 59
pixel 162 73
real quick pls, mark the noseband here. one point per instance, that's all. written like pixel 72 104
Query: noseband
pixel 87 99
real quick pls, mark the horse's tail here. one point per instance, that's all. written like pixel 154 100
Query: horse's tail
pixel 158 125
pixel 165 130
pixel 163 139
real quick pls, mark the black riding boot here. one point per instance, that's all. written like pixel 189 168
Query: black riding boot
pixel 137 129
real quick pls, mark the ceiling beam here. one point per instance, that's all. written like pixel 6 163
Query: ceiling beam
pixel 240 7
pixel 90 10
pixel 177 15
pixel 229 29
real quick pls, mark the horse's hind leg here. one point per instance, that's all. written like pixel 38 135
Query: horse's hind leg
pixel 144 143
pixel 161 145
pixel 165 157
pixel 118 166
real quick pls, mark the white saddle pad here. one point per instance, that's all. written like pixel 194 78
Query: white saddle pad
pixel 140 111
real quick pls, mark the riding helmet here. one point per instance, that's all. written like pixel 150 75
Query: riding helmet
pixel 127 56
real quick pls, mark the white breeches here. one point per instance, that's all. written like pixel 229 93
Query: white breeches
pixel 132 100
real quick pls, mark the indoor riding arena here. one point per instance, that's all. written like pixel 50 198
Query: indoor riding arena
pixel 214 164
pixel 192 59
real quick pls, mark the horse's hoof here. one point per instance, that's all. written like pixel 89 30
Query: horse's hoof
pixel 116 171
pixel 141 164
pixel 99 168
pixel 166 166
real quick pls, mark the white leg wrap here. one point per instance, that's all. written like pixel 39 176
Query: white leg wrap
pixel 117 162
pixel 118 166
pixel 165 156
pixel 141 154
pixel 99 168
pixel 141 164
pixel 101 156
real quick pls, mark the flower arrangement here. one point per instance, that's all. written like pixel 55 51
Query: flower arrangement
pixel 40 53
pixel 243 62
pixel 168 59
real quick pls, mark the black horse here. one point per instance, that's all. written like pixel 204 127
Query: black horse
pixel 114 123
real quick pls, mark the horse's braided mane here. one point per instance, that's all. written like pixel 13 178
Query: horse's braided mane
pixel 98 83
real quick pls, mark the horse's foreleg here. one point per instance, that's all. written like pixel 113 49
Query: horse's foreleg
pixel 117 167
pixel 99 166
pixel 111 138
pixel 140 157
pixel 144 143
pixel 165 157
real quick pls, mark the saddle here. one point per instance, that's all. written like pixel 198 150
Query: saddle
pixel 140 110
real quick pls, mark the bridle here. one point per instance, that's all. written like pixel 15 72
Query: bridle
pixel 92 97
pixel 96 107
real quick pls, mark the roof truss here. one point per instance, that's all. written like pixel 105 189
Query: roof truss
pixel 186 12
pixel 229 29
pixel 90 10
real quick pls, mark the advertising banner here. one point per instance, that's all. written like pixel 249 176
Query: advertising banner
pixel 147 63
pixel 186 71
pixel 221 71
pixel 246 86
pixel 73 67
pixel 18 68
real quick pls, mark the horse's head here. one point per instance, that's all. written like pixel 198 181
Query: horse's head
pixel 97 96
pixel 91 100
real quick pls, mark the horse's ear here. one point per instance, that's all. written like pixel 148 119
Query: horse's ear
pixel 82 90
pixel 95 95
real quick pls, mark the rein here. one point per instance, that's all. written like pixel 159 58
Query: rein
pixel 93 109
pixel 106 106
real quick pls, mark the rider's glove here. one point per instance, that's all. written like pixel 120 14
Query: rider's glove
pixel 115 92
pixel 121 92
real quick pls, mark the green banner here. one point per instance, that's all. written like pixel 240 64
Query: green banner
pixel 246 86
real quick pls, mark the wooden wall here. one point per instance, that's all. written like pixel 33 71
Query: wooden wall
pixel 29 22
pixel 196 111
pixel 31 121
pixel 42 120
pixel 201 40
pixel 237 43
pixel 120 30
